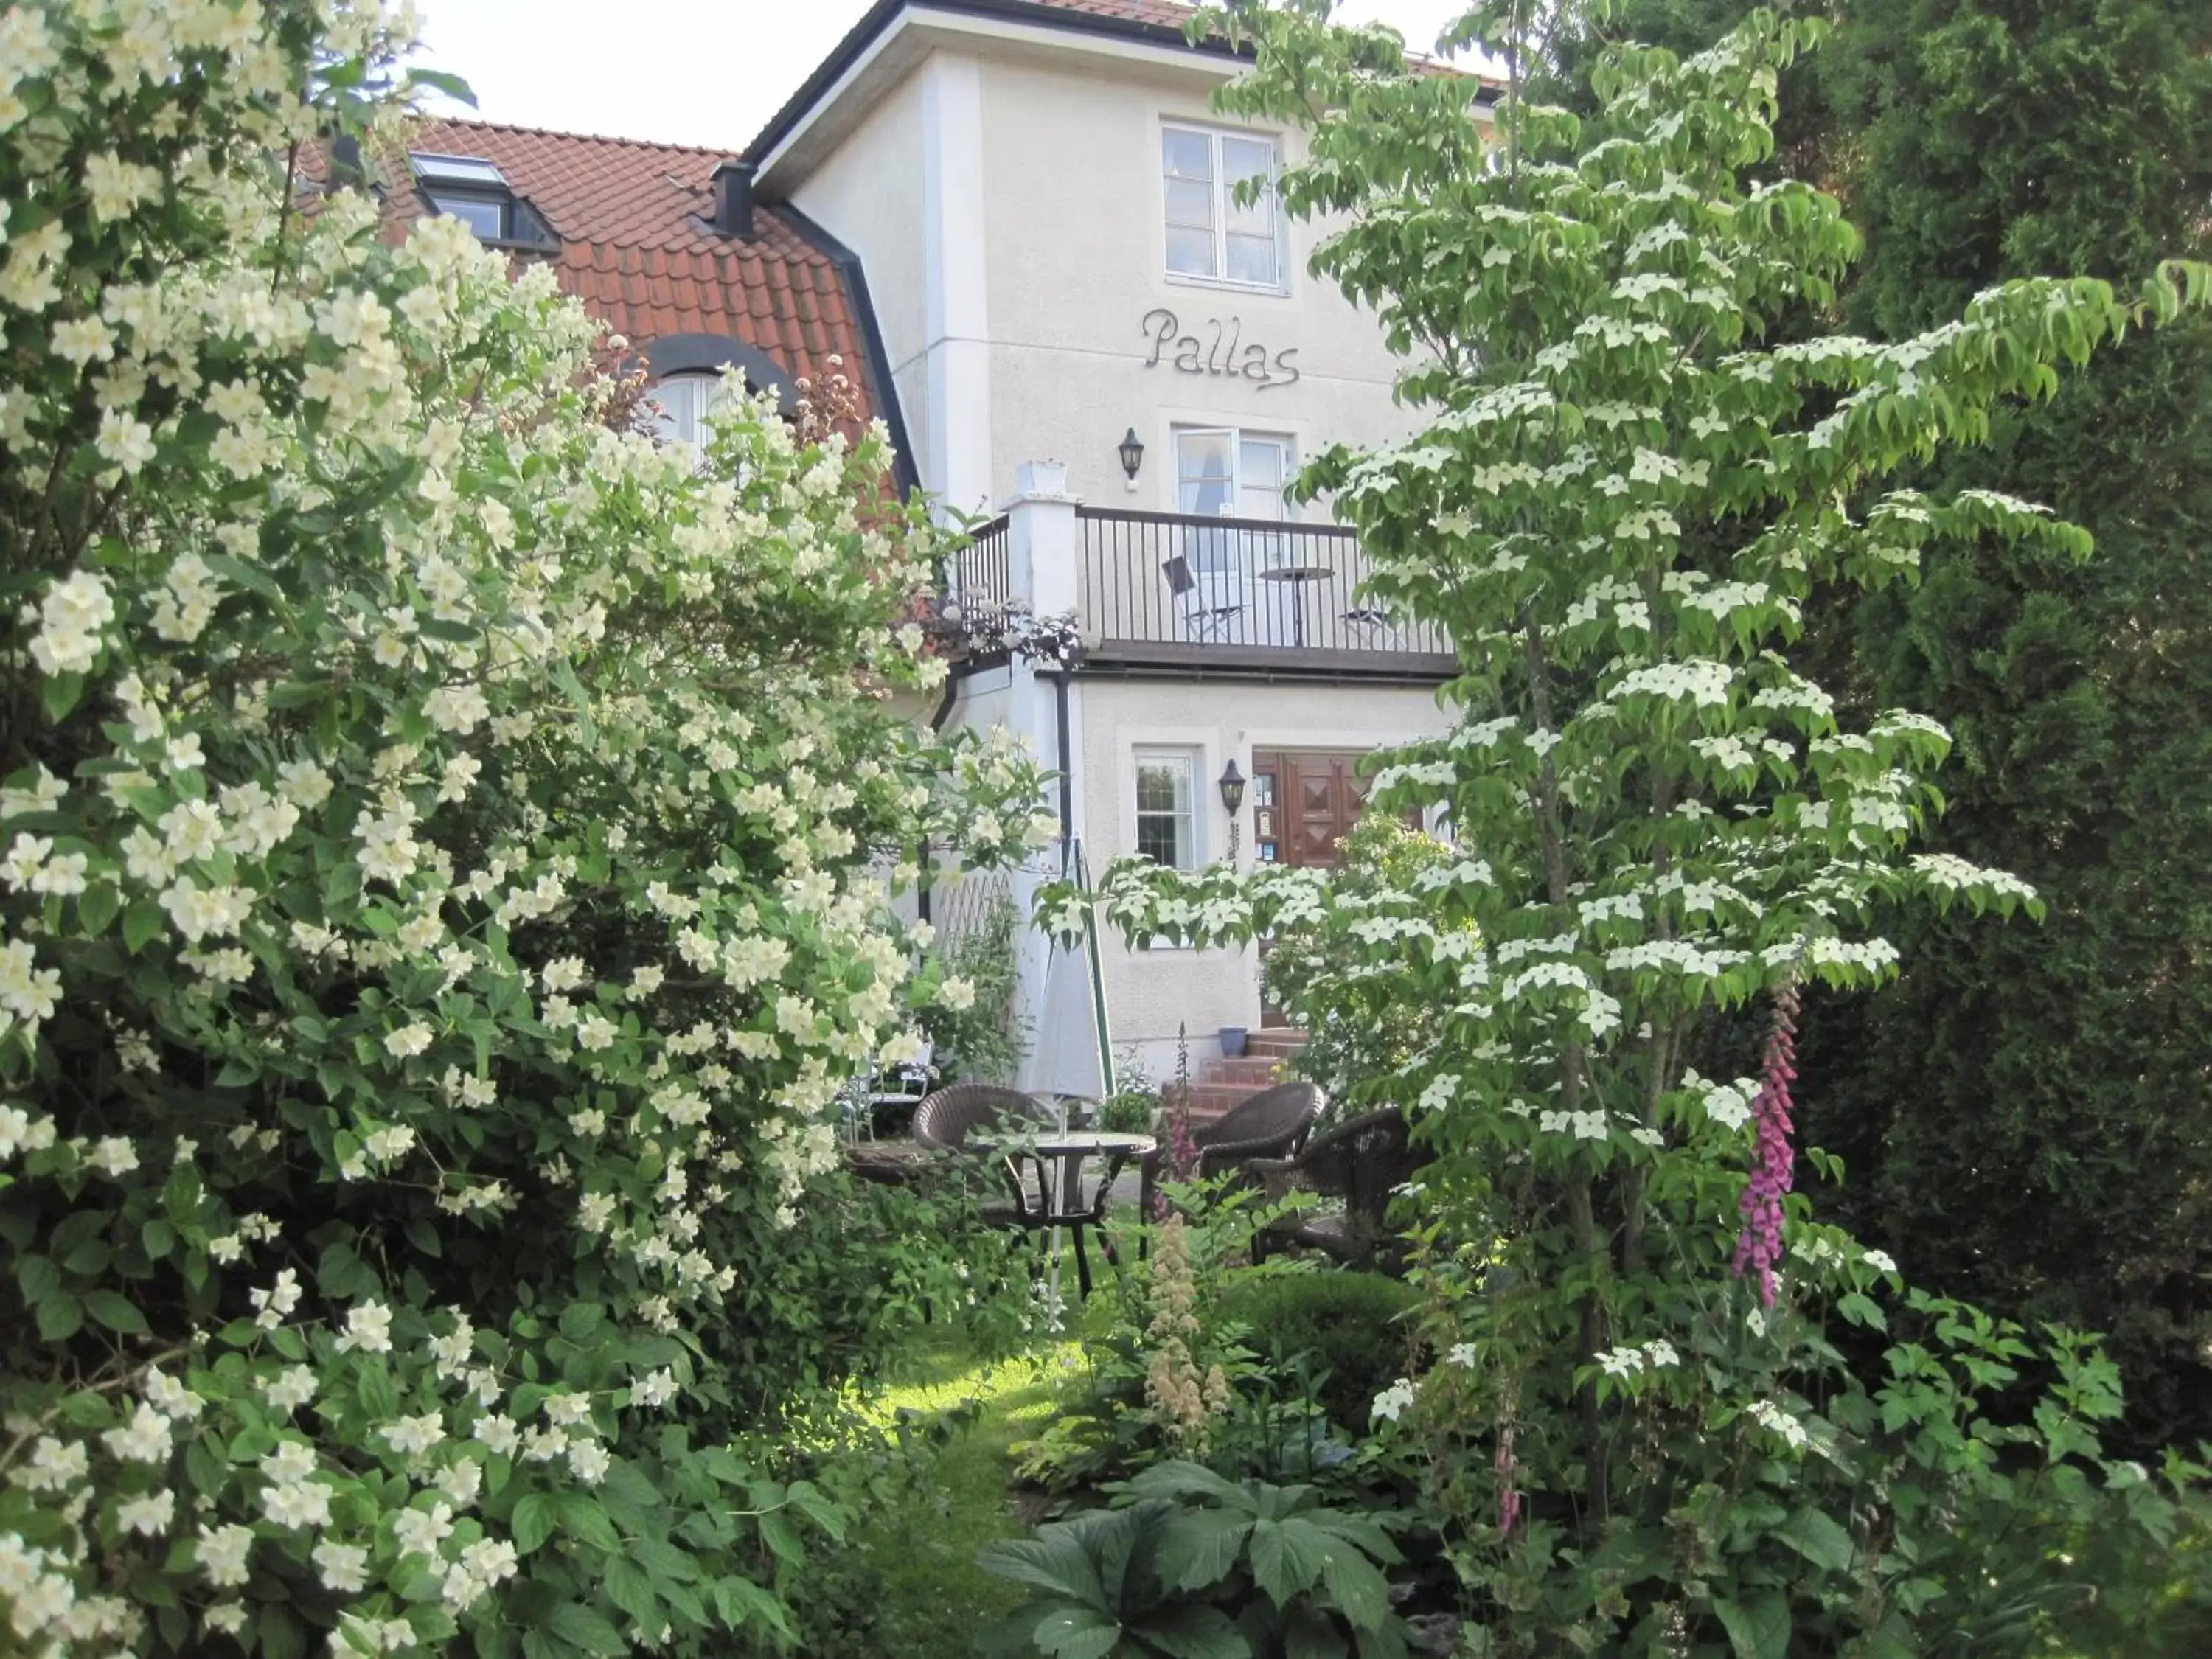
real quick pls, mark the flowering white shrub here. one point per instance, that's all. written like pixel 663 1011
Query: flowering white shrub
pixel 441 855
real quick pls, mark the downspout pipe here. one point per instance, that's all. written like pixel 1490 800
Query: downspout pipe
pixel 1066 774
pixel 937 719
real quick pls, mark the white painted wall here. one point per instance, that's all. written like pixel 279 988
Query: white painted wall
pixel 1148 993
pixel 1077 260
pixel 956 288
pixel 867 193
pixel 1006 199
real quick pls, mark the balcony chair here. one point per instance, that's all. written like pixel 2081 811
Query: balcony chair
pixel 1206 624
pixel 1363 1162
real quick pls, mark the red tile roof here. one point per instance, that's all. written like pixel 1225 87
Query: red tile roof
pixel 637 247
pixel 1167 13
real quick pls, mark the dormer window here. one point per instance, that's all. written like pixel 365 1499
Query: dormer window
pixel 477 193
pixel 682 407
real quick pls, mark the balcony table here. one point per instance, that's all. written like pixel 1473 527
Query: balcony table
pixel 1295 576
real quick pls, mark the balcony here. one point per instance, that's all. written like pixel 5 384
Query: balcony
pixel 1207 597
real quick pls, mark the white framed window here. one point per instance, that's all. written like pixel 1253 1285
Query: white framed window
pixel 681 406
pixel 1212 235
pixel 1167 814
pixel 1218 579
pixel 1225 472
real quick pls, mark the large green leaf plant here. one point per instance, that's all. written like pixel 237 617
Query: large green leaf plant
pixel 1189 1565
pixel 1620 497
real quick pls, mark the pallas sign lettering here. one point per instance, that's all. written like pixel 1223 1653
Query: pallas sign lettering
pixel 1216 347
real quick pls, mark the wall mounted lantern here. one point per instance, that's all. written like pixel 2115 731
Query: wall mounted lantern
pixel 1132 451
pixel 1232 786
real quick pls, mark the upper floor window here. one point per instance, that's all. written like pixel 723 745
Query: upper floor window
pixel 1220 472
pixel 477 193
pixel 1211 233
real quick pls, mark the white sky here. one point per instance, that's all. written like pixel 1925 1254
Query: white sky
pixel 705 72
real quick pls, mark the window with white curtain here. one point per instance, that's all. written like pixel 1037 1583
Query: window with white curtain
pixel 1223 472
pixel 1210 232
pixel 1167 817
pixel 682 404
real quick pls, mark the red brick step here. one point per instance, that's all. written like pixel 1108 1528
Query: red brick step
pixel 1224 1085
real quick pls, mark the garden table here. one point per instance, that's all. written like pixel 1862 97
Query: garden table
pixel 1059 1155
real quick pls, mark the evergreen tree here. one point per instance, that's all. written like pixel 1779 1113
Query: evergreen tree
pixel 2035 1104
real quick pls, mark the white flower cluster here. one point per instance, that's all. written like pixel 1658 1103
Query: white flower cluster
pixel 1780 1423
pixel 1393 1401
pixel 1583 1126
pixel 1655 1355
pixel 1701 681
pixel 1728 1104
pixel 1954 875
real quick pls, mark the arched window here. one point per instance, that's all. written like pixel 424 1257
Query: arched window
pixel 687 387
pixel 681 406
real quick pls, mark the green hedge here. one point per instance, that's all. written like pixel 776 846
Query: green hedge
pixel 1347 1327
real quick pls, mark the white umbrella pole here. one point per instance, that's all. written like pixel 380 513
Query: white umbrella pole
pixel 1059 1205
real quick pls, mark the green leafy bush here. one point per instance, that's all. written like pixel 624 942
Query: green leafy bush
pixel 1787 1502
pixel 903 1491
pixel 1352 1333
pixel 1358 1042
pixel 443 896
pixel 1129 1112
pixel 2023 1111
pixel 981 1039
pixel 1193 1564
pixel 861 1273
pixel 2025 1114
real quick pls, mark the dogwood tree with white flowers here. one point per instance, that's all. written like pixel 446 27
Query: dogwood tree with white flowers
pixel 442 861
pixel 1624 493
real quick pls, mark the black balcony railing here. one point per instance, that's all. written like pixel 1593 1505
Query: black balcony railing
pixel 1167 587
pixel 976 577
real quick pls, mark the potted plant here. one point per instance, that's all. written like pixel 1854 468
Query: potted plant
pixel 1130 1112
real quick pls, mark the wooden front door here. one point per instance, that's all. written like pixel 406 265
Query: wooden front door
pixel 1316 801
pixel 1304 803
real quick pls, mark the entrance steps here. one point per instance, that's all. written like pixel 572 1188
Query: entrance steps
pixel 1223 1084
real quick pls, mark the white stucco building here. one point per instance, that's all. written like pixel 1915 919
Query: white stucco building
pixel 1093 343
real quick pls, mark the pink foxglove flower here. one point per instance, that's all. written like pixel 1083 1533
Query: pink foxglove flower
pixel 1183 1145
pixel 1759 1246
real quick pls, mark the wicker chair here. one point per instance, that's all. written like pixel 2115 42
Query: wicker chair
pixel 1363 1163
pixel 944 1119
pixel 1272 1123
pixel 947 1117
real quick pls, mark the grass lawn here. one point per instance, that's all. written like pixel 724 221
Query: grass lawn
pixel 922 1562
